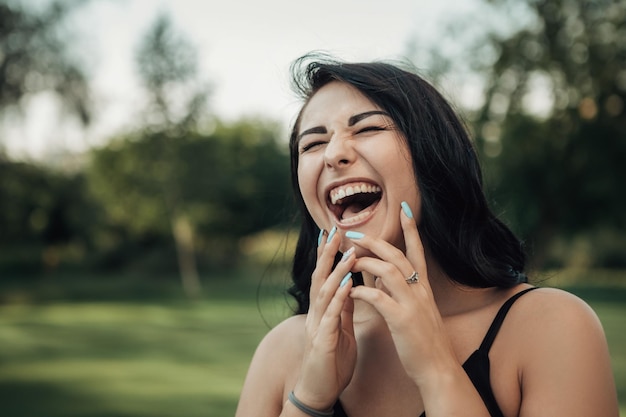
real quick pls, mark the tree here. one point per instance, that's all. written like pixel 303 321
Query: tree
pixel 167 64
pixel 204 190
pixel 563 169
pixel 34 57
pixel 559 169
pixel 229 184
pixel 46 218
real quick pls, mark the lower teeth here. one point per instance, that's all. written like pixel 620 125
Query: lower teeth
pixel 356 218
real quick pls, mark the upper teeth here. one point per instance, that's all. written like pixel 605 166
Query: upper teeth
pixel 336 194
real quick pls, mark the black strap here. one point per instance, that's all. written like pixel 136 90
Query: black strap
pixel 338 409
pixel 497 321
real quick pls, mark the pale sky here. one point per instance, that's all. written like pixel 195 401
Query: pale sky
pixel 245 48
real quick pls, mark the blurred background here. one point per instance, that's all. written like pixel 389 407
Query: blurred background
pixel 146 222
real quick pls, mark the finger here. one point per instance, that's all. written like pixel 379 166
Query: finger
pixel 347 313
pixel 413 243
pixel 321 240
pixel 336 278
pixel 337 310
pixel 379 284
pixel 329 287
pixel 378 299
pixel 383 250
pixel 390 277
pixel 326 251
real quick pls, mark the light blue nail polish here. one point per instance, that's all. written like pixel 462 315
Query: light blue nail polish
pixel 407 210
pixel 320 237
pixel 347 254
pixel 331 233
pixel 345 279
pixel 351 234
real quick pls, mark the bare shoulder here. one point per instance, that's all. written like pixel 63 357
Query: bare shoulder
pixel 550 320
pixel 564 363
pixel 281 345
pixel 276 359
pixel 284 341
pixel 547 310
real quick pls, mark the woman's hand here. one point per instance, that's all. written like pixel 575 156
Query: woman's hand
pixel 409 309
pixel 330 351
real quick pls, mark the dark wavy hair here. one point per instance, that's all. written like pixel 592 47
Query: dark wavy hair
pixel 472 246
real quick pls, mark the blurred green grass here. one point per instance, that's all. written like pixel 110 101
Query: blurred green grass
pixel 106 348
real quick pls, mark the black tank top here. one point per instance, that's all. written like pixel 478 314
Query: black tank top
pixel 477 365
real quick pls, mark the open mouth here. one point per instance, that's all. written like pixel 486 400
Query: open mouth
pixel 354 202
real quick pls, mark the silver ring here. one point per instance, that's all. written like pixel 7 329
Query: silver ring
pixel 413 279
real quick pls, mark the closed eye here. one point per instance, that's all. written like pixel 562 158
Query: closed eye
pixel 311 145
pixel 371 129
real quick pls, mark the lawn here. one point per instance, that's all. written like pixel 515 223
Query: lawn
pixel 114 353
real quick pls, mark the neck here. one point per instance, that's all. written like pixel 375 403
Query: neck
pixel 453 298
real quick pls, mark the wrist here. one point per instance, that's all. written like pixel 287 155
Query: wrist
pixel 308 409
pixel 438 374
pixel 312 397
pixel 444 379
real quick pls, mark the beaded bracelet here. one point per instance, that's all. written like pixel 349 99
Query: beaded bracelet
pixel 308 410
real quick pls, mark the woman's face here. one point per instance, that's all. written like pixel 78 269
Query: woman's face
pixel 354 167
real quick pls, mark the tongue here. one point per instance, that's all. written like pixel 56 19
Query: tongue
pixel 352 210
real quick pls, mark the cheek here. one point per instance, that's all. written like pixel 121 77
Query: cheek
pixel 305 181
pixel 308 177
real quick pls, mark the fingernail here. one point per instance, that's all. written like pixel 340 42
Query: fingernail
pixel 347 254
pixel 345 279
pixel 320 237
pixel 407 210
pixel 351 234
pixel 331 233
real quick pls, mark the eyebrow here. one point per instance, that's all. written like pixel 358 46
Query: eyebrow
pixel 358 117
pixel 351 122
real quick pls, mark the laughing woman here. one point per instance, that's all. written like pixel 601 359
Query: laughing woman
pixel 412 297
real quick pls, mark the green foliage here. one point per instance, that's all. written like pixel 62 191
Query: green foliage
pixel 229 184
pixel 164 57
pixel 42 214
pixel 566 184
pixel 45 218
pixel 126 178
pixel 251 177
pixel 34 57
pixel 167 64
pixel 117 212
pixel 560 171
pixel 148 199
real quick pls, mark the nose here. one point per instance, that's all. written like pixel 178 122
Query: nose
pixel 339 152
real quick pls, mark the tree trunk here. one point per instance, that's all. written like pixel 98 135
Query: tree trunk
pixel 183 236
